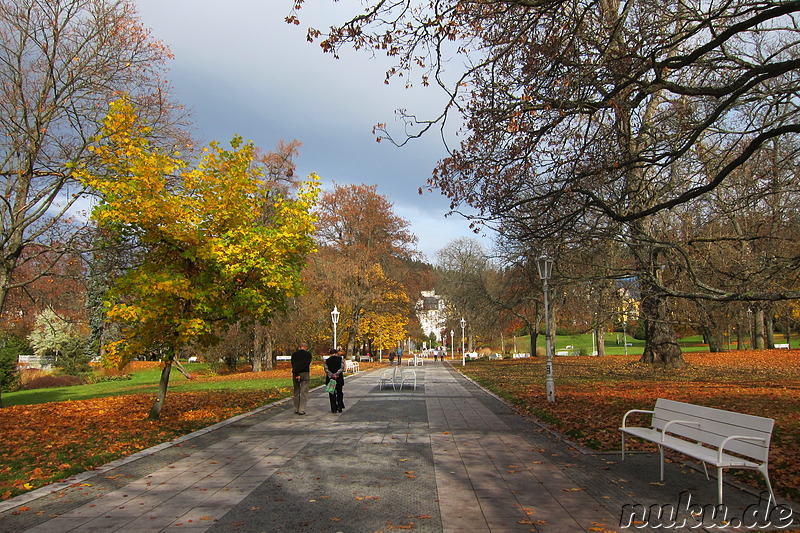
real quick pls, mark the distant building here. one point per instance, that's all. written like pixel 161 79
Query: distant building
pixel 431 313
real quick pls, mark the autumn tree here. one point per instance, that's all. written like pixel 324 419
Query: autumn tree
pixel 61 63
pixel 359 237
pixel 597 117
pixel 279 180
pixel 477 288
pixel 208 255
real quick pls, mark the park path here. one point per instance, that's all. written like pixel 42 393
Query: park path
pixel 446 457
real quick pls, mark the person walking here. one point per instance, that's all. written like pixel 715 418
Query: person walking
pixel 301 377
pixel 334 370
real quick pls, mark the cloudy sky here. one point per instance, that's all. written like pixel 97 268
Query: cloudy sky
pixel 242 70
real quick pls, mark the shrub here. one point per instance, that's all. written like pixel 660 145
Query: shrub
pixel 73 358
pixel 10 350
pixel 102 378
pixel 52 380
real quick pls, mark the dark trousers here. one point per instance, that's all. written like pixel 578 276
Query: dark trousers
pixel 337 398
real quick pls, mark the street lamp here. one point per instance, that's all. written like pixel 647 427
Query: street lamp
pixel 463 355
pixel 335 320
pixel 545 266
pixel 452 345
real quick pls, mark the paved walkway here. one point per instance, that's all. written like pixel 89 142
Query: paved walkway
pixel 446 457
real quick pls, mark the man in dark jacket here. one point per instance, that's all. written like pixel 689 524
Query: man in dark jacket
pixel 301 376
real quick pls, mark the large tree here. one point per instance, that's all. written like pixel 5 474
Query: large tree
pixel 61 63
pixel 596 117
pixel 209 257
pixel 360 238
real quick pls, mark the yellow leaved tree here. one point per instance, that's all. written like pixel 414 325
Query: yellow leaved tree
pixel 209 255
pixel 385 321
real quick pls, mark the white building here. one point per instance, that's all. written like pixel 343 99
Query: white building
pixel 431 314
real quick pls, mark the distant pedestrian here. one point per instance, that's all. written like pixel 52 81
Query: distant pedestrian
pixel 436 355
pixel 334 370
pixel 399 354
pixel 301 376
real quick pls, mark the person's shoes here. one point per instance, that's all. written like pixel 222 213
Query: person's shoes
pixel 339 411
pixel 301 413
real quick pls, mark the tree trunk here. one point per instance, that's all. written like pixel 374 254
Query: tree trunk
pixel 268 349
pixel 788 332
pixel 5 281
pixel 661 343
pixel 158 404
pixel 258 346
pixel 770 324
pixel 534 335
pixel 601 341
pixel 712 339
pixel 759 328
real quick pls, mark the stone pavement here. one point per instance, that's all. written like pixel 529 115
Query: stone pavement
pixel 446 457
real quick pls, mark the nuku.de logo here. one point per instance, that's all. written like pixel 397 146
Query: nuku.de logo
pixel 688 515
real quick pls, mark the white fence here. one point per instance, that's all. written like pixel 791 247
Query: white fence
pixel 36 361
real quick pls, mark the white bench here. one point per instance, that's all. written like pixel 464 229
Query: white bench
pixel 724 439
pixel 415 360
pixel 283 358
pixel 397 377
pixel 784 346
pixel 351 366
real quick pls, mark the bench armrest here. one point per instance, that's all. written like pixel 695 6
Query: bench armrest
pixel 721 448
pixel 685 422
pixel 624 418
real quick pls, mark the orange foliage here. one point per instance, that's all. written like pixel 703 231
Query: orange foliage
pixel 764 383
pixel 43 443
pixel 47 442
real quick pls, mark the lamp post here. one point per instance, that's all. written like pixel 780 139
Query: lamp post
pixel 545 266
pixel 380 345
pixel 335 320
pixel 452 345
pixel 463 354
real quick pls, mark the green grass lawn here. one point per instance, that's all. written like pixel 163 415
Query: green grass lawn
pixel 614 343
pixel 144 381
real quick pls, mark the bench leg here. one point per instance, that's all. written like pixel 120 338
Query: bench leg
pixel 661 457
pixel 623 446
pixel 764 473
pixel 719 486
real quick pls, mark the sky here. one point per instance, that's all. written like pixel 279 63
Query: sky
pixel 240 69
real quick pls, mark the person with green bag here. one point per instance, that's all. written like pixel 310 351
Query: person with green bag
pixel 334 379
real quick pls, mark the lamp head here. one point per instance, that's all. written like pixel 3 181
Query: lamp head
pixel 545 266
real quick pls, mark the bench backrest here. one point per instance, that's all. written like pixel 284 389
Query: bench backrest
pixel 715 425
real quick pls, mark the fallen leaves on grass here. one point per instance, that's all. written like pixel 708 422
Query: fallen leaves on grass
pixel 46 442
pixel 759 382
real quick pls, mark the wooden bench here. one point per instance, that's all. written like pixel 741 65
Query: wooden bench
pixel 723 439
pixel 397 377
pixel 351 366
